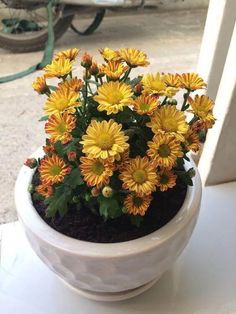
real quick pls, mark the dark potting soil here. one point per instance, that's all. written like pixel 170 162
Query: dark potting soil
pixel 84 225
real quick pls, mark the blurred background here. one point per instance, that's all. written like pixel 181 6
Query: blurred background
pixel 169 31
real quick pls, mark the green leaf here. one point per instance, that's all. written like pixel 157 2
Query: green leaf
pixel 59 148
pixel 109 207
pixel 74 178
pixel 59 201
pixel 44 118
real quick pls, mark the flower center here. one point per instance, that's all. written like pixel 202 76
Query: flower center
pixel 140 176
pixel 138 201
pixel 55 170
pixel 61 104
pixel 170 125
pixel 98 168
pixel 61 128
pixel 105 141
pixel 114 97
pixel 144 106
pixel 157 85
pixel 164 179
pixel 164 150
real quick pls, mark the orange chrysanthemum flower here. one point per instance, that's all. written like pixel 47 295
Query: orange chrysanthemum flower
pixel 164 149
pixel 113 96
pixel 109 54
pixel 58 68
pixel 166 179
pixel 114 70
pixel 134 57
pixel 63 99
pixel 192 141
pixel 137 205
pixel 145 104
pixel 40 85
pixel 172 80
pixel 202 107
pixel 74 84
pixel 70 54
pixel 155 84
pixel 44 190
pixel 96 172
pixel 49 147
pixel 60 126
pixel 170 120
pixel 104 140
pixel 139 176
pixel 191 81
pixel 53 170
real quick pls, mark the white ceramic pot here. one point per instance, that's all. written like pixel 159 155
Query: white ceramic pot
pixel 108 271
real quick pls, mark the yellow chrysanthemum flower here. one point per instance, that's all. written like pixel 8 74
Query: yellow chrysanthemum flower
pixel 191 81
pixel 44 190
pixel 134 57
pixel 53 170
pixel 74 84
pixel 96 171
pixel 192 141
pixel 114 70
pixel 113 96
pixel 170 120
pixel 164 150
pixel 60 126
pixel 58 68
pixel 137 205
pixel 145 104
pixel 63 99
pixel 202 107
pixel 104 139
pixel 109 54
pixel 155 84
pixel 70 54
pixel 40 85
pixel 166 179
pixel 139 176
pixel 172 80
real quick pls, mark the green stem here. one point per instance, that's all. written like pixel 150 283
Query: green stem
pixel 186 95
pixel 164 101
pixel 90 90
pixel 127 73
pixel 194 119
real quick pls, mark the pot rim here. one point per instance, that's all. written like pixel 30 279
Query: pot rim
pixel 31 220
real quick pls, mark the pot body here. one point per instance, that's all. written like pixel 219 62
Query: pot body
pixel 107 268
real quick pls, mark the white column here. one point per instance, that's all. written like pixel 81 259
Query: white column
pixel 218 160
pixel 215 43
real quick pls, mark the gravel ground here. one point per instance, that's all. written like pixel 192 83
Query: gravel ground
pixel 171 39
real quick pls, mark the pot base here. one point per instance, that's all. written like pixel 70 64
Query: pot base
pixel 112 296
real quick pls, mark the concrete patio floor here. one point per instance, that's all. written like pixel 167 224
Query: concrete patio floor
pixel 171 39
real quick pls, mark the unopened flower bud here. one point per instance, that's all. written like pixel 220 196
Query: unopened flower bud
pixel 172 102
pixel 138 88
pixel 31 188
pixel 95 192
pixel 86 60
pixel 107 191
pixel 31 163
pixel 71 156
pixel 94 68
pixel 86 76
pixel 192 173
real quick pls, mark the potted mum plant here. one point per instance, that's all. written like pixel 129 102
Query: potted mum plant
pixel 111 199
